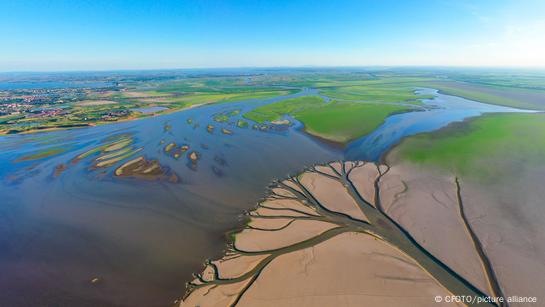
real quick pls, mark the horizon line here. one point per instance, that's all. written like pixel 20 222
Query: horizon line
pixel 507 67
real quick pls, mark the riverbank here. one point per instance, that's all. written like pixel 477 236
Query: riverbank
pixel 101 123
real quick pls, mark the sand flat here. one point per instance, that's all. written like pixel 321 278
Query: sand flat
pixel 364 178
pixel 299 230
pixel 348 270
pixel 276 212
pixel 222 295
pixel 289 204
pixel 429 211
pixel 269 224
pixel 235 267
pixel 508 218
pixel 332 195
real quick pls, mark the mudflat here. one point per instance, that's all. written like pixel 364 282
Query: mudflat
pixel 397 235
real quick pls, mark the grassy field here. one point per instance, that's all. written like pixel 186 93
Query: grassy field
pixel 521 79
pixel 204 98
pixel 344 122
pixel 274 111
pixel 375 93
pixel 335 121
pixel 485 147
pixel 360 87
pixel 515 89
pixel 506 96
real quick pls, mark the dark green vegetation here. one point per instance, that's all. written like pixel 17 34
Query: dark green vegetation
pixel 485 147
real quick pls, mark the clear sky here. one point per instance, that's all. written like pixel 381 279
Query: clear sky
pixel 112 34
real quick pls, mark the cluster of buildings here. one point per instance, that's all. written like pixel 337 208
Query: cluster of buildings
pixel 20 101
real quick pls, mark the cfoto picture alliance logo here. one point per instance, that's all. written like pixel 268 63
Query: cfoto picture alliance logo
pixel 468 299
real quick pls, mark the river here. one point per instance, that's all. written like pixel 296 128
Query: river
pixel 143 240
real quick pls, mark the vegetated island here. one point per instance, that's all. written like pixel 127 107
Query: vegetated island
pixel 334 121
pixel 345 233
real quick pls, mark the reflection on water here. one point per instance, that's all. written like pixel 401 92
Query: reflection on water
pixel 67 220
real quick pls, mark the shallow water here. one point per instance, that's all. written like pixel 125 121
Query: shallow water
pixel 144 239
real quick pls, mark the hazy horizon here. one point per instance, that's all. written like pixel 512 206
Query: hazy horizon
pixel 537 69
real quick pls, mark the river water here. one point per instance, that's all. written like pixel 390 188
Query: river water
pixel 142 239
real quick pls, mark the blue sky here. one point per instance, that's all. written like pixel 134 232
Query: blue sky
pixel 99 35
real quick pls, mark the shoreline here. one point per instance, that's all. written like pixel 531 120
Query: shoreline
pixel 102 123
pixel 133 118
